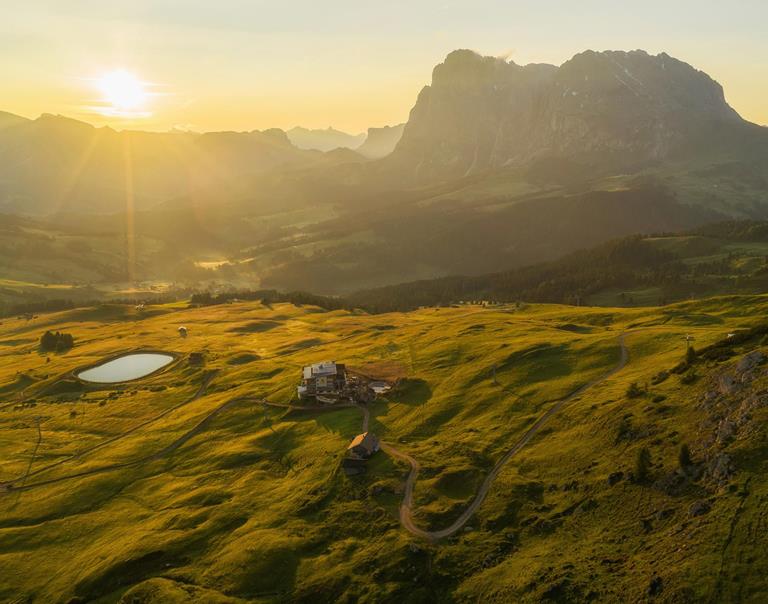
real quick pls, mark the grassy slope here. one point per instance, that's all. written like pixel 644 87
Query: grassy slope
pixel 255 508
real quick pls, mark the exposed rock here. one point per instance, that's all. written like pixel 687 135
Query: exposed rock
pixel 727 384
pixel 726 432
pixel 750 361
pixel 699 508
pixel 720 468
pixel 709 398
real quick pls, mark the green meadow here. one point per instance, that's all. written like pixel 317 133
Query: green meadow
pixel 183 487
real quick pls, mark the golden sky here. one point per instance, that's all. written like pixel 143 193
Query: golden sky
pixel 255 64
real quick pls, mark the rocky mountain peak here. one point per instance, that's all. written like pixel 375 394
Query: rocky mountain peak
pixel 628 107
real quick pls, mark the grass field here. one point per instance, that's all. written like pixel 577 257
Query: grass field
pixel 180 488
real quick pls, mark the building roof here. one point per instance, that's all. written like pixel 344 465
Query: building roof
pixel 367 440
pixel 322 368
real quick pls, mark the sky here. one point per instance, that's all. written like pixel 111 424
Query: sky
pixel 255 64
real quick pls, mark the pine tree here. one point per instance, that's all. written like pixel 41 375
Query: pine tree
pixel 685 457
pixel 643 465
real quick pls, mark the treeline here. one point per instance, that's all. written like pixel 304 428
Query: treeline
pixel 736 230
pixel 623 263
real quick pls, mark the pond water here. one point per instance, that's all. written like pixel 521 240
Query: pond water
pixel 128 367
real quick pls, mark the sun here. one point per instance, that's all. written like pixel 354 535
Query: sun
pixel 123 91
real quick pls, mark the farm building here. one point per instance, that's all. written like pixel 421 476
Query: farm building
pixel 326 377
pixel 363 446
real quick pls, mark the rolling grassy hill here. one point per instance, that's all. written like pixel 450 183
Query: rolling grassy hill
pixel 182 487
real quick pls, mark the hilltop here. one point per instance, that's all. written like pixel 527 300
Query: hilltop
pixel 183 486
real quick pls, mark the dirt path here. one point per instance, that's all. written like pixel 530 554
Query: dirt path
pixel 164 452
pixel 406 507
pixel 34 453
pixel 207 378
pixel 12 485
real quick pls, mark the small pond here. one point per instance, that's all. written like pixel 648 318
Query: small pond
pixel 125 368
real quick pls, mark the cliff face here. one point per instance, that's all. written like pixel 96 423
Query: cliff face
pixel 380 142
pixel 623 107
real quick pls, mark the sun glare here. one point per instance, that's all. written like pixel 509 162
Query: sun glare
pixel 123 92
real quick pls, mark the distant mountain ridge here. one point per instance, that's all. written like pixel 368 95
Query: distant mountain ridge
pixel 375 144
pixel 616 108
pixel 55 163
pixel 324 140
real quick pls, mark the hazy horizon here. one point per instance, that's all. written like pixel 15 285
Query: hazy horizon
pixel 258 66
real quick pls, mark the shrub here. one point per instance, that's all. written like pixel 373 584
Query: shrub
pixel 689 377
pixel 633 390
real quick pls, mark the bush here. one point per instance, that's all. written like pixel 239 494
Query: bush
pixel 633 390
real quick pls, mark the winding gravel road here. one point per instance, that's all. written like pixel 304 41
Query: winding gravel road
pixel 406 507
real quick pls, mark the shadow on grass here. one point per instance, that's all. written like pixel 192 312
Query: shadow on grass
pixel 411 391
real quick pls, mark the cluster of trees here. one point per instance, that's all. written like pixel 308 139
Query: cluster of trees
pixel 56 341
